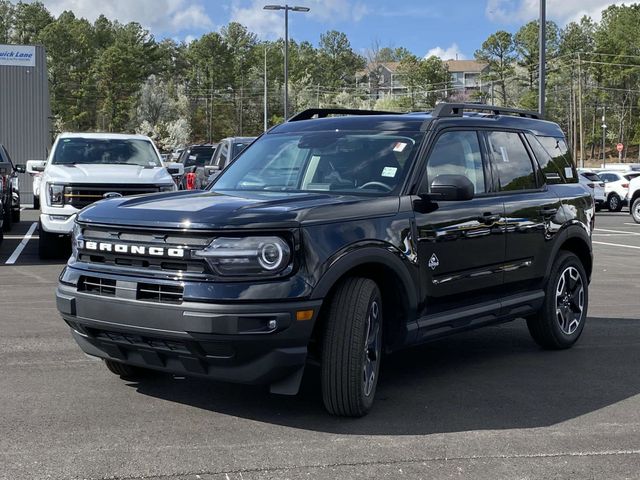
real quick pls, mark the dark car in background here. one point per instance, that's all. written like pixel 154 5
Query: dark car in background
pixel 228 149
pixel 9 189
pixel 194 159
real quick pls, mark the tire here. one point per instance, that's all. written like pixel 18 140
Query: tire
pixel 614 204
pixel 349 371
pixel 49 244
pixel 15 215
pixel 125 371
pixel 598 207
pixel 7 217
pixel 36 203
pixel 635 210
pixel 561 320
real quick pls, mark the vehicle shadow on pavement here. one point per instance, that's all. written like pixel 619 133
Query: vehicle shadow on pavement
pixel 490 379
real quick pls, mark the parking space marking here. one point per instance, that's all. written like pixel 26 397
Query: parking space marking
pixel 617 245
pixel 615 231
pixel 16 253
pixel 20 237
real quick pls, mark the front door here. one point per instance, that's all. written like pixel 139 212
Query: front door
pixel 461 244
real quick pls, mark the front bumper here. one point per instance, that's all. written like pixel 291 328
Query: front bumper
pixel 58 221
pixel 228 342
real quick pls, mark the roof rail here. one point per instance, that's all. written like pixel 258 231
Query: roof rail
pixel 457 110
pixel 325 112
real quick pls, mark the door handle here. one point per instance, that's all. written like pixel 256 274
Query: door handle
pixel 548 212
pixel 489 218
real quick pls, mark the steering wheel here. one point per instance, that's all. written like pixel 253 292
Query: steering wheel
pixel 380 185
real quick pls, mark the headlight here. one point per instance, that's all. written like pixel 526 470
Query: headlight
pixel 170 187
pixel 247 256
pixel 56 195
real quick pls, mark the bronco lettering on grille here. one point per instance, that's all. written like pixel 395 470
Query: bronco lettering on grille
pixel 173 252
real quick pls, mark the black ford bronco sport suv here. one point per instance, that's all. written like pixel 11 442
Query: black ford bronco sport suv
pixel 335 238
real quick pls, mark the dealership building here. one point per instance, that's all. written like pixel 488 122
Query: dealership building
pixel 25 113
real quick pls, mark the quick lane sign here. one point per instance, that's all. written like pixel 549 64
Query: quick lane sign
pixel 18 55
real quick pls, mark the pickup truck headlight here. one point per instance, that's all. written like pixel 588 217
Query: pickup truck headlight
pixel 261 256
pixel 170 187
pixel 56 195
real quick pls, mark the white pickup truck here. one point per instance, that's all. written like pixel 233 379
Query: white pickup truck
pixel 86 167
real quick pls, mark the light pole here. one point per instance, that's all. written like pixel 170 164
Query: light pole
pixel 286 9
pixel 543 50
pixel 604 136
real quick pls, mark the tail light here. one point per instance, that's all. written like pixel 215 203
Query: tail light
pixel 601 184
pixel 625 185
pixel 191 181
pixel 591 185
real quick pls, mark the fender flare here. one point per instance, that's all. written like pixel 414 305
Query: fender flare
pixel 367 255
pixel 572 231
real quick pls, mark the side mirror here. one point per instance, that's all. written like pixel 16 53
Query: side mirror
pixel 210 170
pixel 20 168
pixel 451 188
pixel 35 166
pixel 175 169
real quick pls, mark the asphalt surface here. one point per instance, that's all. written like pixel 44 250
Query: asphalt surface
pixel 483 405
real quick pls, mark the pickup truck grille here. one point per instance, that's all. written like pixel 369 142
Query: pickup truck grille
pixel 81 195
pixel 153 265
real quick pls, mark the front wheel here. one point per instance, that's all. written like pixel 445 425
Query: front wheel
pixel 635 210
pixel 7 217
pixel 36 203
pixel 614 204
pixel 561 320
pixel 15 215
pixel 352 348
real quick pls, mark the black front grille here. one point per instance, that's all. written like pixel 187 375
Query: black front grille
pixel 152 292
pixel 80 196
pixel 147 238
pixel 98 286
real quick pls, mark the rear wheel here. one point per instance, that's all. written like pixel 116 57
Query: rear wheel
pixel 614 204
pixel 7 217
pixel 635 210
pixel 125 371
pixel 561 320
pixel 352 348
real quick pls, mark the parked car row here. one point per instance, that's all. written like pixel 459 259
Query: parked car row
pixel 610 188
pixel 9 191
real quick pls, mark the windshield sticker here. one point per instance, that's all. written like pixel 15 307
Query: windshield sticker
pixel 399 147
pixel 568 172
pixel 505 155
pixel 192 157
pixel 389 172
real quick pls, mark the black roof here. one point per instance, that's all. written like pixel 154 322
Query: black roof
pixel 487 117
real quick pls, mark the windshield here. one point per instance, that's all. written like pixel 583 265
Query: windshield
pixel 591 176
pixel 335 161
pixel 71 151
pixel 238 147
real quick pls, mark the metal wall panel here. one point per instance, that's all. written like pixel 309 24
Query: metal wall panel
pixel 25 123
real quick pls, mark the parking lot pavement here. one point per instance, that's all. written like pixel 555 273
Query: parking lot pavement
pixel 486 404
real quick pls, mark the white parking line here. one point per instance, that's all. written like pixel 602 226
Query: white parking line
pixel 615 231
pixel 20 237
pixel 617 245
pixel 16 253
pixel 634 224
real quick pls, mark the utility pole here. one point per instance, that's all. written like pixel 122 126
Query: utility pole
pixel 265 87
pixel 580 111
pixel 604 136
pixel 543 48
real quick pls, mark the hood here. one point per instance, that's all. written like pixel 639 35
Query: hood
pixel 213 210
pixel 106 174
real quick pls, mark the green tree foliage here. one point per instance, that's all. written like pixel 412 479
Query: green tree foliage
pixel 527 46
pixel 498 52
pixel 29 19
pixel 427 79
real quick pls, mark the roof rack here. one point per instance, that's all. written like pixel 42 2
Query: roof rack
pixel 325 112
pixel 457 110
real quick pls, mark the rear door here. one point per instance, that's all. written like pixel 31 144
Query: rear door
pixel 530 209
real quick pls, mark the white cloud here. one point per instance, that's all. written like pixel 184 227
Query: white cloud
pixel 452 52
pixel 562 11
pixel 159 16
pixel 270 24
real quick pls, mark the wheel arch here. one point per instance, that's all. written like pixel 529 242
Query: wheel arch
pixel 578 242
pixel 391 274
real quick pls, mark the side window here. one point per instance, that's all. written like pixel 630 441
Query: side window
pixel 456 153
pixel 224 153
pixel 551 171
pixel 511 159
pixel 559 150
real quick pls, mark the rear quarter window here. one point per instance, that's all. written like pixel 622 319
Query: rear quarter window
pixel 557 159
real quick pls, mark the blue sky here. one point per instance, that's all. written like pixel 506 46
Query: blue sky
pixel 443 27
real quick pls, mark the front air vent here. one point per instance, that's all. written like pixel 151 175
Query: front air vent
pixel 151 292
pixel 98 286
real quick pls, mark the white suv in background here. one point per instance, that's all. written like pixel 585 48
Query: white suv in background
pixel 616 187
pixel 594 185
pixel 86 167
